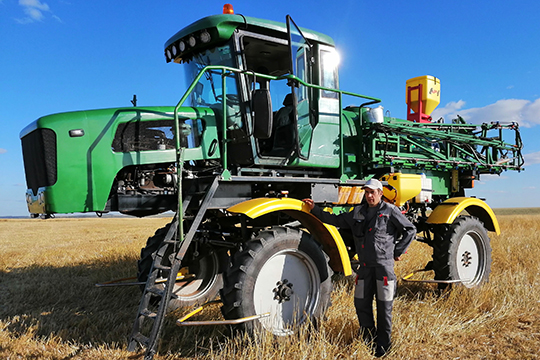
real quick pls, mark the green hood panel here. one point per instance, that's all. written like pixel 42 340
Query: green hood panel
pixel 87 165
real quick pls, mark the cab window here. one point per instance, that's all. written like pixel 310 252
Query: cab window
pixel 140 135
pixel 329 60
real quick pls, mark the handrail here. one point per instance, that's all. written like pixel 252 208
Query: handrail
pixel 290 77
pixel 265 76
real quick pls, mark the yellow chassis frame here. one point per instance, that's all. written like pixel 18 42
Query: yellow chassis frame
pixel 330 237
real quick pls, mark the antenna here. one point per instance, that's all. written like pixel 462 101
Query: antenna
pixel 134 101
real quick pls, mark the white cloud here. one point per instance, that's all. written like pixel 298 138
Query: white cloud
pixel 525 112
pixel 449 110
pixel 3 151
pixel 34 10
pixel 35 4
pixel 491 177
pixel 532 158
pixel 33 13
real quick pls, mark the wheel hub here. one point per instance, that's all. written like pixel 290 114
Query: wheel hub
pixel 466 259
pixel 283 291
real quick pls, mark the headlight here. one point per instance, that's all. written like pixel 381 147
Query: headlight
pixel 205 37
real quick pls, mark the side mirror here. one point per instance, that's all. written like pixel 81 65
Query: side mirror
pixel 262 113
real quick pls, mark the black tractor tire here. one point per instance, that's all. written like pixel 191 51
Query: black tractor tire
pixel 462 252
pixel 282 271
pixel 207 268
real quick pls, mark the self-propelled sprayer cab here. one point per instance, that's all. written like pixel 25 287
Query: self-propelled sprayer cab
pixel 251 60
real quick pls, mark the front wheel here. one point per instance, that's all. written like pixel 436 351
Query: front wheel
pixel 282 272
pixel 202 273
pixel 462 252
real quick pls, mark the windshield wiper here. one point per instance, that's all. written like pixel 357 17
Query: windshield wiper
pixel 207 74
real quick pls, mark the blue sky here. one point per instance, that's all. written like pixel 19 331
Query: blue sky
pixel 58 56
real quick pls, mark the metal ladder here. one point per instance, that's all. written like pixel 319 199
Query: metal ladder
pixel 155 298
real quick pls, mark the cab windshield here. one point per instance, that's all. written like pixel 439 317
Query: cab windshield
pixel 208 92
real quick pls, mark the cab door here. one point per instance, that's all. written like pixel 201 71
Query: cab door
pixel 300 53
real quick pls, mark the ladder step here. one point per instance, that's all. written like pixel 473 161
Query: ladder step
pixel 161 267
pixel 149 314
pixel 196 193
pixel 170 241
pixel 141 338
pixel 155 290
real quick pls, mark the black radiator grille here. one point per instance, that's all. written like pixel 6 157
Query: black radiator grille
pixel 39 153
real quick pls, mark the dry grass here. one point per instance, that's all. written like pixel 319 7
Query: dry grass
pixel 50 309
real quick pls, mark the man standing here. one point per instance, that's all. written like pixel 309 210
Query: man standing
pixel 381 235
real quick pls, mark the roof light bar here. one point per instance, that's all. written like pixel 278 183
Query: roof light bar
pixel 176 49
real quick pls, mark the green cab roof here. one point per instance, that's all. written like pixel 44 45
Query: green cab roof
pixel 221 28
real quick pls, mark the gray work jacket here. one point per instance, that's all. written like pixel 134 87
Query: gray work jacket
pixel 386 236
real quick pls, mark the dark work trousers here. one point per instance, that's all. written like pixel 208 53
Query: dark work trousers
pixel 378 281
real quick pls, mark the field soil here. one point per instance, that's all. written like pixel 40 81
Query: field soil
pixel 50 307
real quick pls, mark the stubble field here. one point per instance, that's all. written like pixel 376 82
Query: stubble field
pixel 50 308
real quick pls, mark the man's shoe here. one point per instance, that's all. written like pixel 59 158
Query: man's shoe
pixel 381 351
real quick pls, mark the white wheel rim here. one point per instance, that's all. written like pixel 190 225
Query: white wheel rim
pixel 299 270
pixel 469 261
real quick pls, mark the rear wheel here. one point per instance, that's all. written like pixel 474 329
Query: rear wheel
pixel 202 276
pixel 282 272
pixel 462 252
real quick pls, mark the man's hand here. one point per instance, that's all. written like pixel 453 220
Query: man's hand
pixel 309 203
pixel 397 258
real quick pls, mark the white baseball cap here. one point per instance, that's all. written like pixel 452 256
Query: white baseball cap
pixel 373 184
